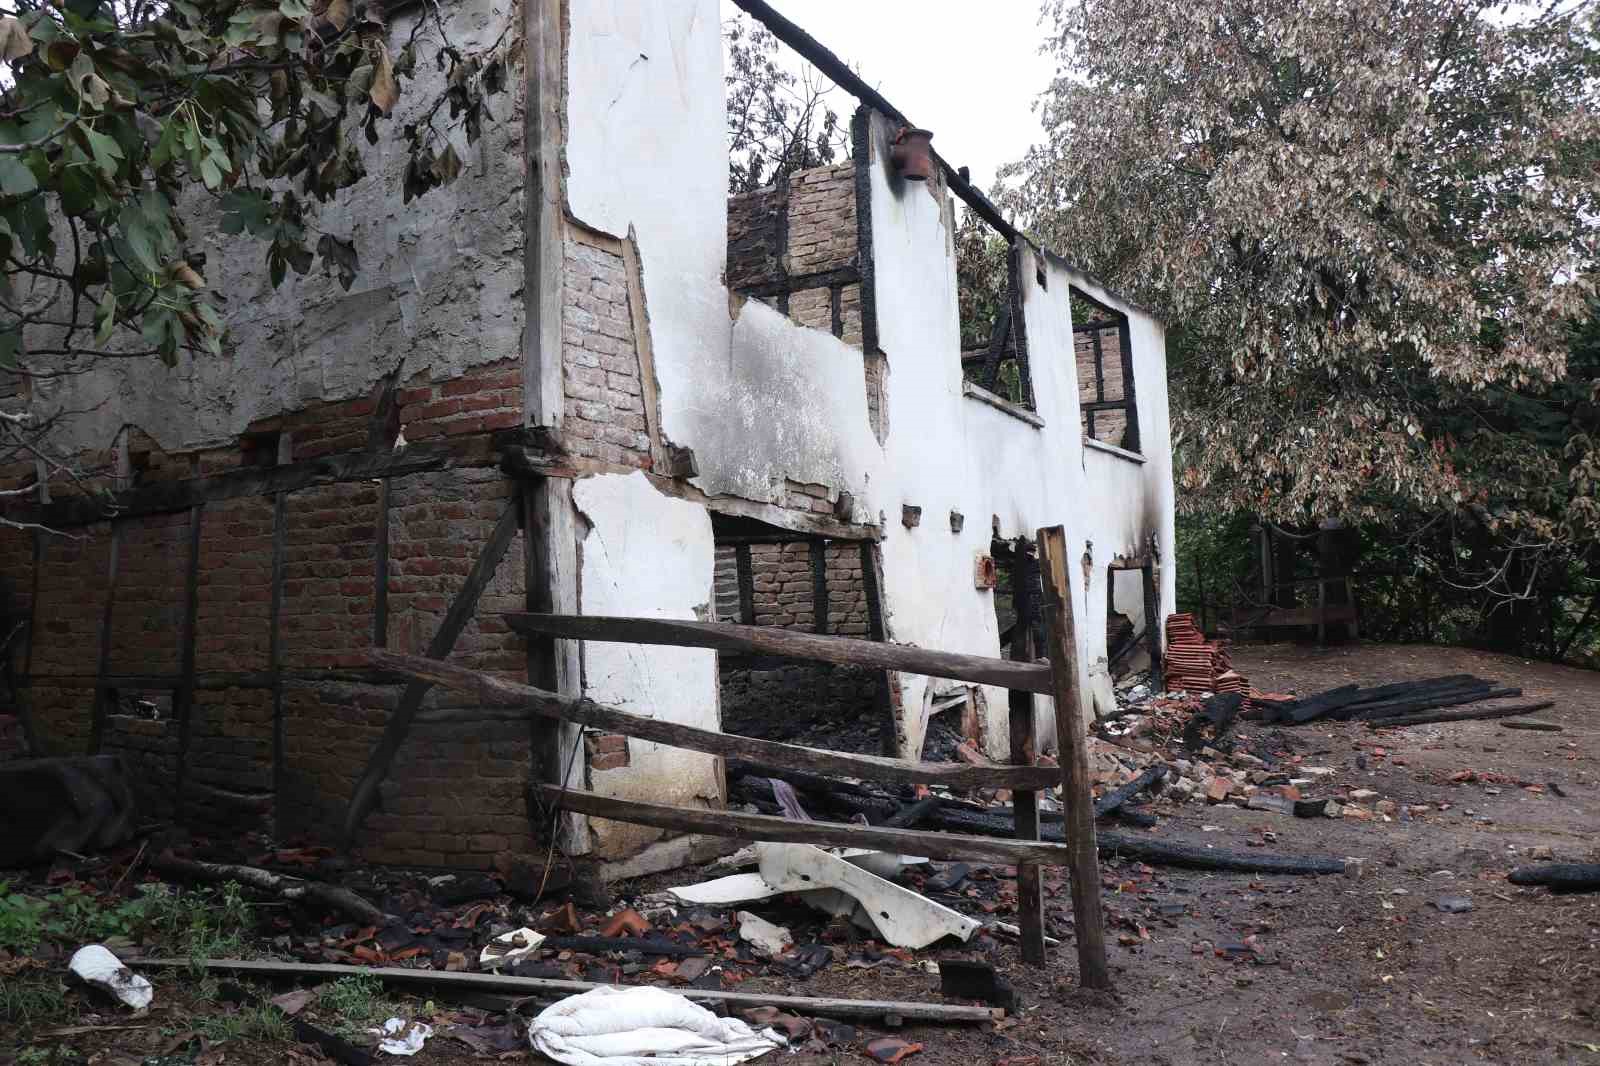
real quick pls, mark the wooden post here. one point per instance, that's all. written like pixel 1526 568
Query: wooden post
pixel 97 730
pixel 1061 643
pixel 1154 624
pixel 280 767
pixel 184 700
pixel 819 586
pixel 745 571
pixel 1024 747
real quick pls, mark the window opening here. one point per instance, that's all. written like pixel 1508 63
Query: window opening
pixel 1103 349
pixel 994 351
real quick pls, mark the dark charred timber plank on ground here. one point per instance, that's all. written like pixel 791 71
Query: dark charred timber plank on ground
pixel 1408 689
pixel 765 640
pixel 908 816
pixel 599 945
pixel 1115 798
pixel 1539 727
pixel 1460 716
pixel 292 889
pixel 1302 711
pixel 1560 876
pixel 1449 698
pixel 493 691
pixel 975 823
pixel 782 830
pixel 863 1009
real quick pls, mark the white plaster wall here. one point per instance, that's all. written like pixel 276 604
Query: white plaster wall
pixel 439 289
pixel 760 399
pixel 645 154
pixel 647 555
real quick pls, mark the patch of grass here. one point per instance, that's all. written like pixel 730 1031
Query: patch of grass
pixel 357 1001
pixel 28 1000
pixel 259 1023
pixel 21 920
pixel 199 924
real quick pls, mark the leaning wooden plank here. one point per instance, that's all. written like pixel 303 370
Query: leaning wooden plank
pixel 462 608
pixel 767 640
pixel 1460 716
pixel 494 691
pixel 781 830
pixel 863 1009
pixel 1077 801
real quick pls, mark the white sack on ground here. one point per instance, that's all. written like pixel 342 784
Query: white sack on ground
pixel 95 964
pixel 643 1026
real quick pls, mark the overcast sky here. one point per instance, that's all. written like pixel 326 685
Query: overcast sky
pixel 967 72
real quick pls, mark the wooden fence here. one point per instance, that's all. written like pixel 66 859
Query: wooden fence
pixel 1024 677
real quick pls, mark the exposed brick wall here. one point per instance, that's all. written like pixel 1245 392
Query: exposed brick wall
pixel 605 415
pixel 149 749
pixel 822 219
pixel 1109 426
pixel 233 616
pixel 803 225
pixel 755 244
pixel 148 615
pixel 329 574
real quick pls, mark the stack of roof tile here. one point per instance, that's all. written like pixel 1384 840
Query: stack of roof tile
pixel 1195 664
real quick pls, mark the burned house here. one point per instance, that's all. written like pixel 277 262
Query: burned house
pixel 581 379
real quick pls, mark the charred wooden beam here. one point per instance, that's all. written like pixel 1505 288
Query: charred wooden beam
pixel 493 691
pixel 783 830
pixel 842 651
pixel 1459 716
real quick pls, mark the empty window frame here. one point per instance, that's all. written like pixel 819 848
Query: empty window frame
pixel 1103 346
pixel 994 345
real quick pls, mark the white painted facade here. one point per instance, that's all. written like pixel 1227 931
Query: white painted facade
pixel 760 399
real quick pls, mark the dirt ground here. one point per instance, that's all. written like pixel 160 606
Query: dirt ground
pixel 1344 970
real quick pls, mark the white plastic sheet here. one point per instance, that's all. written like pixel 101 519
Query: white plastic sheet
pixel 95 964
pixel 401 1037
pixel 643 1026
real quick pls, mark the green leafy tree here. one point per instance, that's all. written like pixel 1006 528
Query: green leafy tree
pixel 1370 228
pixel 779 121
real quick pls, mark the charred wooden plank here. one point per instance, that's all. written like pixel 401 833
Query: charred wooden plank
pixel 842 651
pixel 1561 876
pixel 1460 716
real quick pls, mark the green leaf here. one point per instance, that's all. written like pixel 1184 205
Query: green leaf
pixel 10 341
pixel 105 316
pixel 107 152
pixel 166 148
pixel 210 173
pixel 246 209
pixel 15 178
pixel 294 9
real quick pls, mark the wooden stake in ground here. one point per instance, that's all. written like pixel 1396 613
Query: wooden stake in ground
pixel 1061 644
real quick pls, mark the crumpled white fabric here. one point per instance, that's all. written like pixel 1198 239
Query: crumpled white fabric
pixel 643 1026
pixel 96 964
pixel 401 1037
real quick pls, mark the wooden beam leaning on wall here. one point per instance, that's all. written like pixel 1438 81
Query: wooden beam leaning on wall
pixel 764 640
pixel 1077 801
pixel 462 608
pixel 1024 749
pixel 496 692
